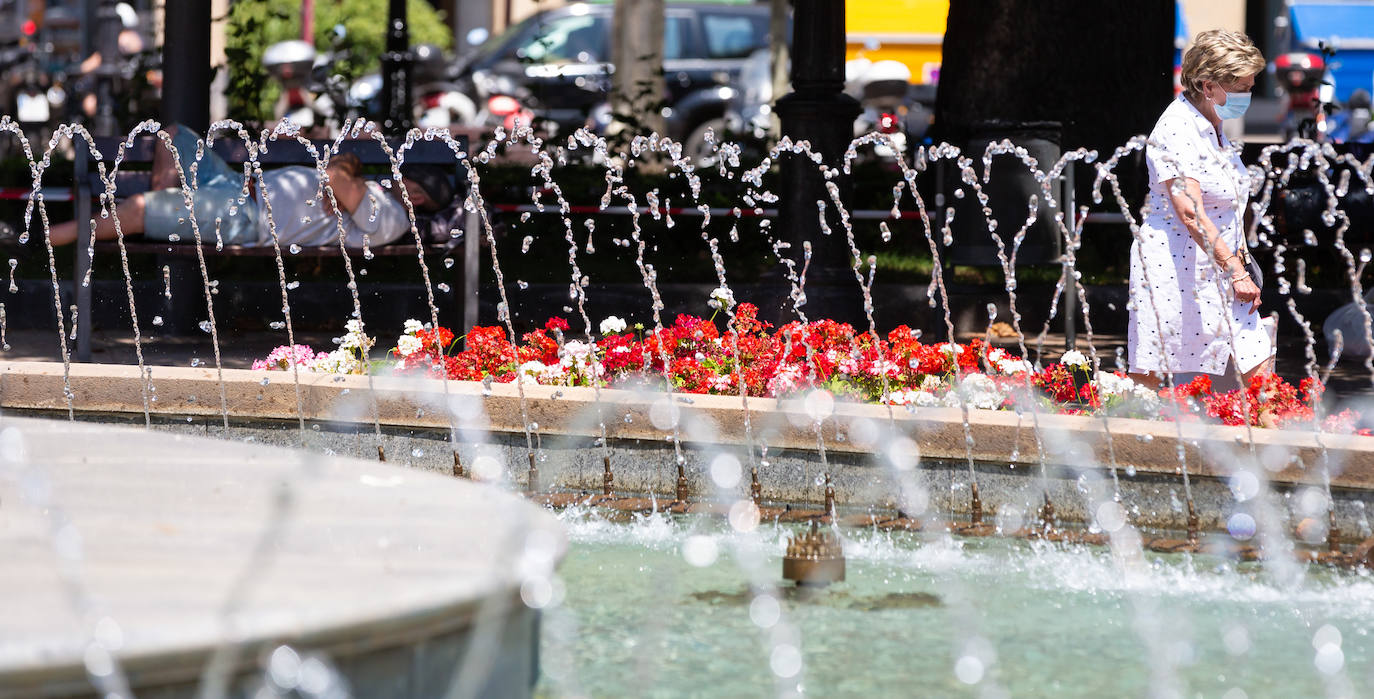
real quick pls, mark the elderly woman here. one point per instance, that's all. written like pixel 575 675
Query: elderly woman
pixel 1194 306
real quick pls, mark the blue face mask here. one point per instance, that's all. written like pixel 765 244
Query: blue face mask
pixel 1236 104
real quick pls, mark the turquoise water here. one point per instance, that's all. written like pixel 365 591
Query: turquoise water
pixel 663 607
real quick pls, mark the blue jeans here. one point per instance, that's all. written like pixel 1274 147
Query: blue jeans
pixel 217 195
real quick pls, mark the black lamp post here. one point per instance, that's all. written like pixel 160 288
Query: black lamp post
pixel 396 63
pixel 186 64
pixel 817 110
pixel 108 25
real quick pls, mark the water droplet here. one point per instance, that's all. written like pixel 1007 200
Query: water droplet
pixel 293 285
pixel 295 249
pixel 205 325
pixel 441 286
pixel 448 263
pixel 157 320
pixel 277 325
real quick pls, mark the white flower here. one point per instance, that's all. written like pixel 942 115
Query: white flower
pixel 612 325
pixel 1073 358
pixel 407 345
pixel 413 326
pixel 340 361
pixel 1012 366
pixel 722 297
pixel 576 349
pixel 533 369
pixel 924 399
pixel 931 383
pixel 1135 395
pixel 979 390
pixel 354 326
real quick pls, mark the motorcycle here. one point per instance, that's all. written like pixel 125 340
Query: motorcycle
pixel 1305 82
pixel 292 64
pixel 891 104
pixel 438 102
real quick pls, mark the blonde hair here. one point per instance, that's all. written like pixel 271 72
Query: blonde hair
pixel 1220 56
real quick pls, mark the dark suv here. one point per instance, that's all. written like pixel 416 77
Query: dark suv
pixel 557 63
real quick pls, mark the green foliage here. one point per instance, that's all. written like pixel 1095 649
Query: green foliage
pixel 256 24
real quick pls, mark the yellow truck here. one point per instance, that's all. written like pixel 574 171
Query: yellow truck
pixel 910 32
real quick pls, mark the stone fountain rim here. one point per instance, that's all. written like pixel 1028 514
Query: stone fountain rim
pixel 164 659
pixel 1150 446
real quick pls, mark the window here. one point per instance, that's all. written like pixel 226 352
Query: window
pixel 568 40
pixel 675 30
pixel 733 36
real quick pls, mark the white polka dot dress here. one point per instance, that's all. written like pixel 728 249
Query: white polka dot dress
pixel 1183 318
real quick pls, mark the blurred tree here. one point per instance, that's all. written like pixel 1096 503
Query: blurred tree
pixel 637 90
pixel 256 24
pixel 1103 69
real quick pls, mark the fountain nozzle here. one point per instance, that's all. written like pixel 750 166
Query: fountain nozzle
pixel 533 483
pixel 381 453
pixel 681 494
pixel 1332 533
pixel 976 508
pixel 457 466
pixel 1192 523
pixel 1047 514
pixel 755 488
pixel 829 497
pixel 606 478
pixel 814 558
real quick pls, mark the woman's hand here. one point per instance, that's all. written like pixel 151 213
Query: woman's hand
pixel 1247 292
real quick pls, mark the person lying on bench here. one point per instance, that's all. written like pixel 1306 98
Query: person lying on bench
pixel 371 215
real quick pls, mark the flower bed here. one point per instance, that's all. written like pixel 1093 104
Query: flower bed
pixel 697 357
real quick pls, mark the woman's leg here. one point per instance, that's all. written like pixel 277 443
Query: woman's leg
pixel 129 213
pixel 1149 380
pixel 1264 368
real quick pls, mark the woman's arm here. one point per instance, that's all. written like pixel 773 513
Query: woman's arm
pixel 1186 196
pixel 349 190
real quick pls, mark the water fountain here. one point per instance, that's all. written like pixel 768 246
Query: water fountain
pixel 938 492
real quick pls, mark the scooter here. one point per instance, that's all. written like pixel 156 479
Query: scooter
pixel 292 63
pixel 438 102
pixel 885 93
pixel 1304 79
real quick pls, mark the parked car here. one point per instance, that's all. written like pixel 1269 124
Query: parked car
pixel 557 64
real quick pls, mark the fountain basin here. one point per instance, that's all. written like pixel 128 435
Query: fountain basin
pixel 413 415
pixel 170 549
pixel 924 616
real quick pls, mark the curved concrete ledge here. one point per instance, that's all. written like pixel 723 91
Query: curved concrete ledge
pixel 1145 446
pixel 403 579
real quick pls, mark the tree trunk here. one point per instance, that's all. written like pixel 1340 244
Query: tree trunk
pixel 637 53
pixel 778 54
pixel 1102 69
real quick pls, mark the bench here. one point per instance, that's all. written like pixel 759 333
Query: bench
pixel 184 257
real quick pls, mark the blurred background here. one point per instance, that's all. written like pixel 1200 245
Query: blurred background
pixel 476 64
